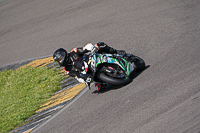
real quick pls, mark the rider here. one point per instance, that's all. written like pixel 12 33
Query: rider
pixel 73 64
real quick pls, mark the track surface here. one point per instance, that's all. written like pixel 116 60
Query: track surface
pixel 165 98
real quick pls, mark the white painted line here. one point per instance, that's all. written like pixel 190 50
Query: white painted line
pixel 69 104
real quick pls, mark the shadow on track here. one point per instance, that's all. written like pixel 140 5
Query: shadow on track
pixel 111 87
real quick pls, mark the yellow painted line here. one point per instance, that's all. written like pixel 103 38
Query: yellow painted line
pixel 28 131
pixel 39 62
pixel 43 62
pixel 63 96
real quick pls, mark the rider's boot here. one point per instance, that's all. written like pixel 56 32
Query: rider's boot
pixel 103 47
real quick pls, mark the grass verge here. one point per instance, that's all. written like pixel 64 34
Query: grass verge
pixel 23 91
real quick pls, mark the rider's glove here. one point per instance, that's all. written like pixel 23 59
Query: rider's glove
pixel 88 81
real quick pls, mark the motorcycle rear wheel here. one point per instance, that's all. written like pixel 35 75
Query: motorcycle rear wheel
pixel 140 64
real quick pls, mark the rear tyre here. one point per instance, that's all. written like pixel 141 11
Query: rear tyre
pixel 140 64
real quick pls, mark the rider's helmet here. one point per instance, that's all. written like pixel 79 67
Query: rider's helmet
pixel 61 57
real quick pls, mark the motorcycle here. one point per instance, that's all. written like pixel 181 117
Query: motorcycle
pixel 110 68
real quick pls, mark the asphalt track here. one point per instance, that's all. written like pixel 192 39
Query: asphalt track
pixel 165 98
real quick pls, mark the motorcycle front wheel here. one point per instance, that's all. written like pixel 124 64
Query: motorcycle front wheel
pixel 112 80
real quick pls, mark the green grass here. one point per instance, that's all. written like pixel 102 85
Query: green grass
pixel 22 92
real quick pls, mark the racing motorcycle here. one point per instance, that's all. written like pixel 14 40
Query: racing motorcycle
pixel 112 69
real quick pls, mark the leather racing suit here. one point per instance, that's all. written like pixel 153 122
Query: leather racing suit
pixel 75 65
